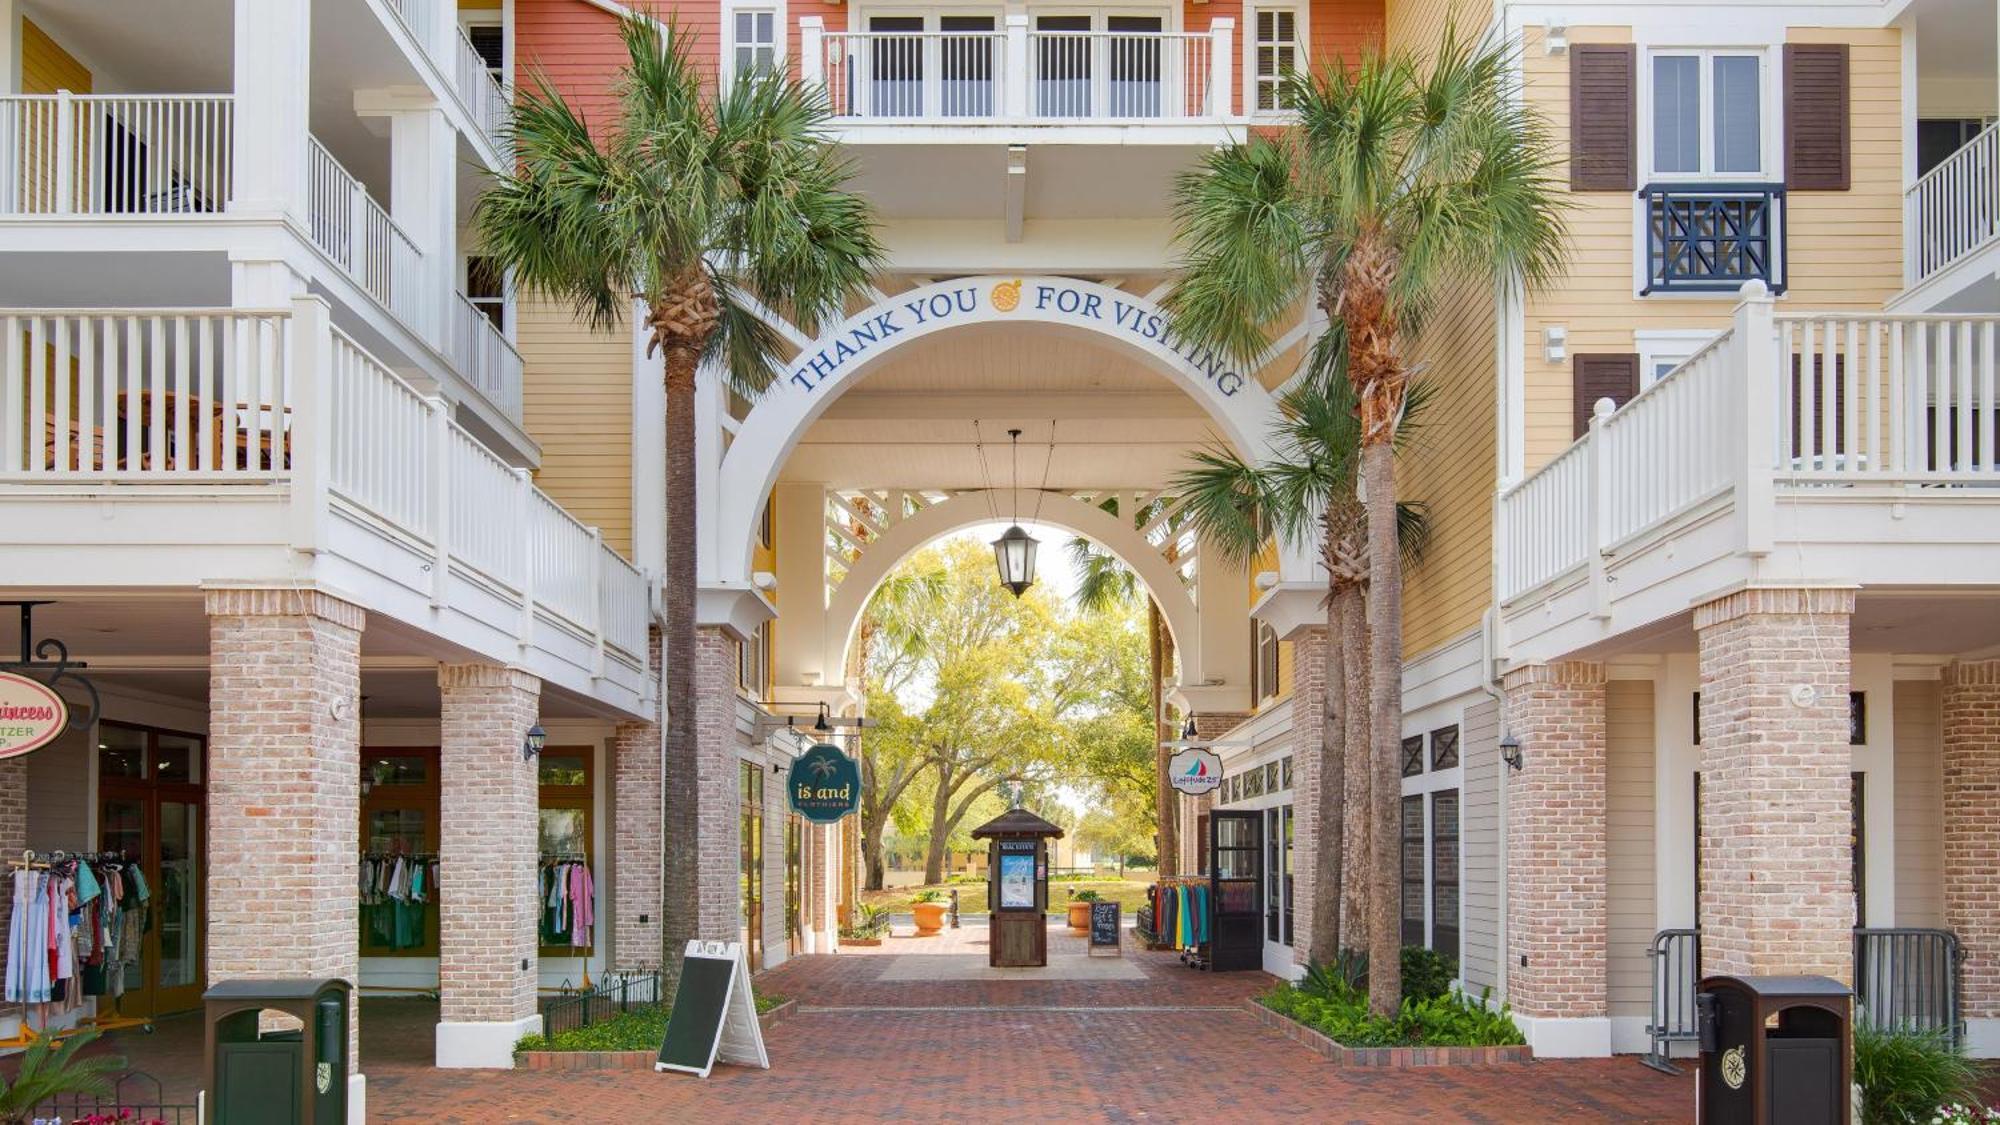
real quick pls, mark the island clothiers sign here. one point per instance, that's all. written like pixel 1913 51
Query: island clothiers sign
pixel 825 784
pixel 31 715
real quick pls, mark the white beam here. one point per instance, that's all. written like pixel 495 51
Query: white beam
pixel 1016 190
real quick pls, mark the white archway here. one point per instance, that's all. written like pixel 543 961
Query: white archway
pixel 969 509
pixel 1242 409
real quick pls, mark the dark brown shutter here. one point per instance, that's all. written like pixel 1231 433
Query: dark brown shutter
pixel 1816 111
pixel 1611 375
pixel 1603 117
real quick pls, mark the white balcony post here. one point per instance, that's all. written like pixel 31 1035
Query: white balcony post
pixel 65 152
pixel 310 357
pixel 597 601
pixel 1754 342
pixel 1014 71
pixel 440 499
pixel 423 196
pixel 812 51
pixel 357 233
pixel 1222 53
pixel 273 54
pixel 1597 485
pixel 524 510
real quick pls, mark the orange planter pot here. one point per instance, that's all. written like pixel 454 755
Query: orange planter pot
pixel 930 917
pixel 1079 917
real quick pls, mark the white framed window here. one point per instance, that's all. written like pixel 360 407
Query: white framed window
pixel 1277 51
pixel 1263 662
pixel 753 40
pixel 1430 847
pixel 1708 114
pixel 1663 349
pixel 488 37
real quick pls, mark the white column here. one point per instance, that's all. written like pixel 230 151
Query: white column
pixel 1221 68
pixel 423 190
pixel 812 50
pixel 1014 93
pixel 804 656
pixel 649 452
pixel 273 51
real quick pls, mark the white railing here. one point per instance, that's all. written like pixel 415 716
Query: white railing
pixel 222 396
pixel 1954 208
pixel 485 357
pixel 156 394
pixel 1800 402
pixel 363 240
pixel 421 18
pixel 115 154
pixel 484 96
pixel 1021 74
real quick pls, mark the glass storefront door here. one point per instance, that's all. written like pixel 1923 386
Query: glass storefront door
pixel 151 811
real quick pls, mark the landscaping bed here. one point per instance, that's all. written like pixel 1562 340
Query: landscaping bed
pixel 1328 1012
pixel 627 1041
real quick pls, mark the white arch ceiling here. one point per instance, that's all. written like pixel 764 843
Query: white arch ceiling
pixel 1240 406
pixel 969 509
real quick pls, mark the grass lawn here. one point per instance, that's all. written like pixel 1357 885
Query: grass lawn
pixel 1129 893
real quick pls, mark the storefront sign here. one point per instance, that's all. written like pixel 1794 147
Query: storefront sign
pixel 825 785
pixel 1195 771
pixel 31 715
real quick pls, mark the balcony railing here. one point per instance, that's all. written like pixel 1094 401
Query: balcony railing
pixel 115 154
pixel 445 42
pixel 1954 209
pixel 1806 401
pixel 484 356
pixel 1711 238
pixel 1018 74
pixel 220 396
pixel 363 240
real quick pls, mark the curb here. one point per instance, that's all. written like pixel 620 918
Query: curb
pixel 622 1060
pixel 1393 1057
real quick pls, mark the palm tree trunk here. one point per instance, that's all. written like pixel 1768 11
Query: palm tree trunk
pixel 1169 796
pixel 1385 721
pixel 1356 786
pixel 1329 875
pixel 680 842
pixel 1167 838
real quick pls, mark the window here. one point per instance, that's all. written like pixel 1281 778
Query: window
pixel 1857 718
pixel 1662 350
pixel 399 819
pixel 753 662
pixel 489 41
pixel 750 865
pixel 1276 56
pixel 1444 872
pixel 563 798
pixel 1708 113
pixel 486 289
pixel 1444 748
pixel 1939 137
pixel 756 40
pixel 1263 662
pixel 1413 755
pixel 1857 842
pixel 1413 870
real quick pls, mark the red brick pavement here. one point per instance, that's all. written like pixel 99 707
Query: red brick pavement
pixel 1174 1047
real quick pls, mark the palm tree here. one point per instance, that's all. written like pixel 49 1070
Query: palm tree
pixel 1306 493
pixel 700 204
pixel 1403 182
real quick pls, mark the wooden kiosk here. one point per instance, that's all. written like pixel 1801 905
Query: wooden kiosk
pixel 1017 888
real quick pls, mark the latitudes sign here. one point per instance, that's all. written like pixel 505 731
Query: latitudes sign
pixel 825 784
pixel 1194 771
pixel 31 715
pixel 1050 300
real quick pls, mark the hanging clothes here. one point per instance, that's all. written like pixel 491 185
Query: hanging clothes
pixel 567 892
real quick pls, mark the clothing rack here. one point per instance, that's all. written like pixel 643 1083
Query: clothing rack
pixel 549 860
pixel 1195 956
pixel 63 863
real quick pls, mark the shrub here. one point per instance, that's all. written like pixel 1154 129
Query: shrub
pixel 931 895
pixel 640 1029
pixel 51 1068
pixel 1341 1014
pixel 1905 1075
pixel 1086 896
pixel 1427 974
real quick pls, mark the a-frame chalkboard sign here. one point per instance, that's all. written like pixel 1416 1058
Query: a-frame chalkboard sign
pixel 714 1016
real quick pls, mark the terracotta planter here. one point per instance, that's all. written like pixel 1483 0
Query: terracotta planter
pixel 930 917
pixel 1079 917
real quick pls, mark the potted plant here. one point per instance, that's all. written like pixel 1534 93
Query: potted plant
pixel 870 923
pixel 928 908
pixel 1079 910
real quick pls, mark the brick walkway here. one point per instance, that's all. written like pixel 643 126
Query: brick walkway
pixel 1174 1046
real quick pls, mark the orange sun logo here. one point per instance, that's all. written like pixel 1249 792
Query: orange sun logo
pixel 1007 295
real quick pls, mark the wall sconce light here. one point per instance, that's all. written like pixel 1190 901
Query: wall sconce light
pixel 1510 751
pixel 1556 41
pixel 1555 343
pixel 531 747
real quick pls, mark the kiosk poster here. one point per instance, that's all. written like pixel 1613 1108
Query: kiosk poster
pixel 1017 882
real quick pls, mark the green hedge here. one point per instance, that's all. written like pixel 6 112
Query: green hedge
pixel 641 1029
pixel 1333 1000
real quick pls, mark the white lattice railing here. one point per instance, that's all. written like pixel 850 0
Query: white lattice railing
pixel 116 154
pixel 1016 73
pixel 1954 208
pixel 483 94
pixel 363 240
pixel 484 356
pixel 1800 401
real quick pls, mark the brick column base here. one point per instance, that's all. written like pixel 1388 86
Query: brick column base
pixel 487 842
pixel 1972 841
pixel 284 789
pixel 1777 894
pixel 1557 928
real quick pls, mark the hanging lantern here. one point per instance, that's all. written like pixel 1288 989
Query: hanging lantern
pixel 1014 553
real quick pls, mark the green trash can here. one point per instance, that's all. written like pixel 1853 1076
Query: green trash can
pixel 279 1077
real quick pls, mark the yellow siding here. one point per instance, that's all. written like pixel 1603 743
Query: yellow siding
pixel 1420 24
pixel 1845 247
pixel 46 67
pixel 1629 891
pixel 577 402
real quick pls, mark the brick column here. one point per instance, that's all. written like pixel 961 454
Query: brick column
pixel 1309 653
pixel 487 843
pixel 1556 854
pixel 284 788
pixel 702 897
pixel 636 776
pixel 1972 840
pixel 1777 891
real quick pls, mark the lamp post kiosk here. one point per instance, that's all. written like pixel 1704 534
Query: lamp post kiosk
pixel 1017 888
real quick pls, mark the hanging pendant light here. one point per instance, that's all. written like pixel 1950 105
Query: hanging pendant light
pixel 1014 551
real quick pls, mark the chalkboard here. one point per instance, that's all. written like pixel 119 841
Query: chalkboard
pixel 694 1027
pixel 1104 925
